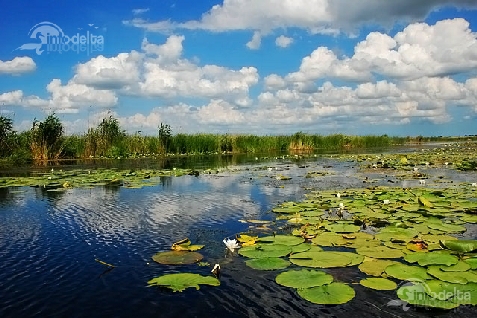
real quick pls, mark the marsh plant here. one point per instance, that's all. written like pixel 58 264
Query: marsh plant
pixel 46 139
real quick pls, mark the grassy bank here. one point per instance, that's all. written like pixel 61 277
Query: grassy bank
pixel 46 141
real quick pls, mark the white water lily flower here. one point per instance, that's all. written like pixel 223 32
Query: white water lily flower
pixel 341 205
pixel 386 201
pixel 416 168
pixel 231 244
pixel 474 184
pixel 422 181
pixel 338 195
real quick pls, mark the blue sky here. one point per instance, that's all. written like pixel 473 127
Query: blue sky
pixel 397 67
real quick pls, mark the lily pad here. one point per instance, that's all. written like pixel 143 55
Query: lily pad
pixel 265 250
pixel 461 246
pixel 342 228
pixel 267 263
pixel 415 294
pixel 375 267
pixel 177 257
pixel 332 294
pixel 406 272
pixel 378 283
pixel 326 259
pixel 303 278
pixel 452 277
pixel 181 281
pixel 380 252
pixel 432 258
pixel 289 240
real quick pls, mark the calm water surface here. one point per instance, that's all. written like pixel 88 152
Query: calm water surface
pixel 49 242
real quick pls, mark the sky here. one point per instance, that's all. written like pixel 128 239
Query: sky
pixel 265 67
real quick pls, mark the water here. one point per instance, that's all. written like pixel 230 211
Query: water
pixel 49 242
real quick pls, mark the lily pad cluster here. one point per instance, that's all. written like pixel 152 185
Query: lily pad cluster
pixel 182 252
pixel 56 180
pixel 399 238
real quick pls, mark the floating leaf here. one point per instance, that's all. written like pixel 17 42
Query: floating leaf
pixel 326 259
pixel 406 272
pixel 303 278
pixel 265 250
pixel 177 257
pixel 375 267
pixel 378 283
pixel 459 267
pixel 415 294
pixel 181 281
pixel 425 202
pixel 342 228
pixel 282 239
pixel 461 246
pixel 267 263
pixel 380 252
pixel 246 240
pixel 303 247
pixel 431 258
pixel 332 294
pixel 452 277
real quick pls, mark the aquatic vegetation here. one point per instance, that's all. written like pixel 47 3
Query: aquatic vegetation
pixel 378 283
pixel 185 245
pixel 303 278
pixel 181 281
pixel 59 179
pixel 331 294
pixel 177 257
pixel 267 263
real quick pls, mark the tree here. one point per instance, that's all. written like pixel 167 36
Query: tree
pixel 6 133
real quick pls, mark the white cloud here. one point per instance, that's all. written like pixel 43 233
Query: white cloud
pixel 273 81
pixel 140 11
pixel 72 96
pixel 316 16
pixel 255 42
pixel 115 72
pixel 283 41
pixel 18 65
pixel 219 112
pixel 420 50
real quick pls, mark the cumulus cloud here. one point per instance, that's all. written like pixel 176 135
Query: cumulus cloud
pixel 18 65
pixel 283 41
pixel 420 50
pixel 316 16
pixel 255 42
pixel 109 73
pixel 74 96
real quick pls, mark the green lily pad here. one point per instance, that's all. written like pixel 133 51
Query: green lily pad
pixel 289 240
pixel 406 272
pixel 432 258
pixel 265 250
pixel 461 266
pixel 472 262
pixel 326 259
pixel 415 294
pixel 452 277
pixel 380 252
pixel 177 257
pixel 303 278
pixel 267 263
pixel 378 283
pixel 332 294
pixel 461 246
pixel 181 281
pixel 375 267
pixel 342 228
pixel 301 248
